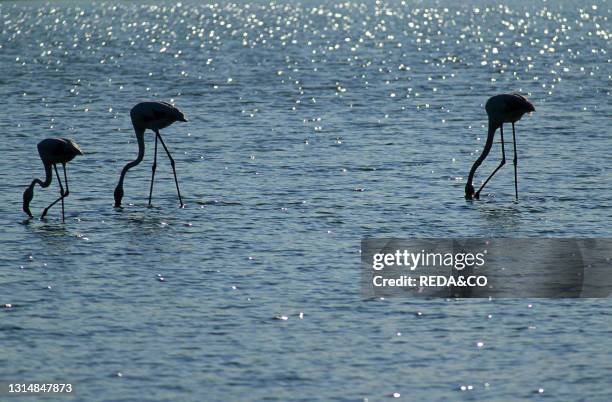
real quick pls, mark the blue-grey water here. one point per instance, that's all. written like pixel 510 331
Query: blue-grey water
pixel 311 126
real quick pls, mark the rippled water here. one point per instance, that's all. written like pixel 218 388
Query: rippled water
pixel 311 126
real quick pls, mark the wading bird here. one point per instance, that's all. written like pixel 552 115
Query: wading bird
pixel 153 116
pixel 52 151
pixel 504 108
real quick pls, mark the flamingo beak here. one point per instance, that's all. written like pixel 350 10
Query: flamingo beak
pixel 28 194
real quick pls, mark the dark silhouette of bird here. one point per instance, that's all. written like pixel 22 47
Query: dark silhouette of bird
pixel 52 151
pixel 153 116
pixel 504 108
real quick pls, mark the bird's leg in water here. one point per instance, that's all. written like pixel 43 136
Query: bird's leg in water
pixel 153 169
pixel 172 164
pixel 503 162
pixel 65 194
pixel 515 164
pixel 61 198
pixel 66 181
pixel 61 190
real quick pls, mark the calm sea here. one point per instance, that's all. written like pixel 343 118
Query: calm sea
pixel 311 126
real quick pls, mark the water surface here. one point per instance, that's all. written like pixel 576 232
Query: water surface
pixel 311 126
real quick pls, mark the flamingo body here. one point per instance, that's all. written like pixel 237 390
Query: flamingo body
pixel 503 108
pixel 507 108
pixel 52 151
pixel 58 150
pixel 153 116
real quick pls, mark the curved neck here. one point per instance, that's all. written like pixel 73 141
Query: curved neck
pixel 141 150
pixel 48 177
pixel 28 194
pixel 485 152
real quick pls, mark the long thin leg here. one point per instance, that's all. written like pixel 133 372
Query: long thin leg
pixel 515 164
pixel 61 191
pixel 503 162
pixel 67 189
pixel 153 170
pixel 61 198
pixel 172 164
pixel 66 181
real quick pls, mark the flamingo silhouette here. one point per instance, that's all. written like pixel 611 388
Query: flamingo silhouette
pixel 52 151
pixel 153 116
pixel 504 108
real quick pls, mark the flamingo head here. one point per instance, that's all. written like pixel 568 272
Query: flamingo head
pixel 28 194
pixel 118 196
pixel 469 191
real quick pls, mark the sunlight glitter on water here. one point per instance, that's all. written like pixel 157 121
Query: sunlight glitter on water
pixel 312 124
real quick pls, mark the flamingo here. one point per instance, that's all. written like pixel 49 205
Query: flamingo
pixel 503 108
pixel 153 116
pixel 52 151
